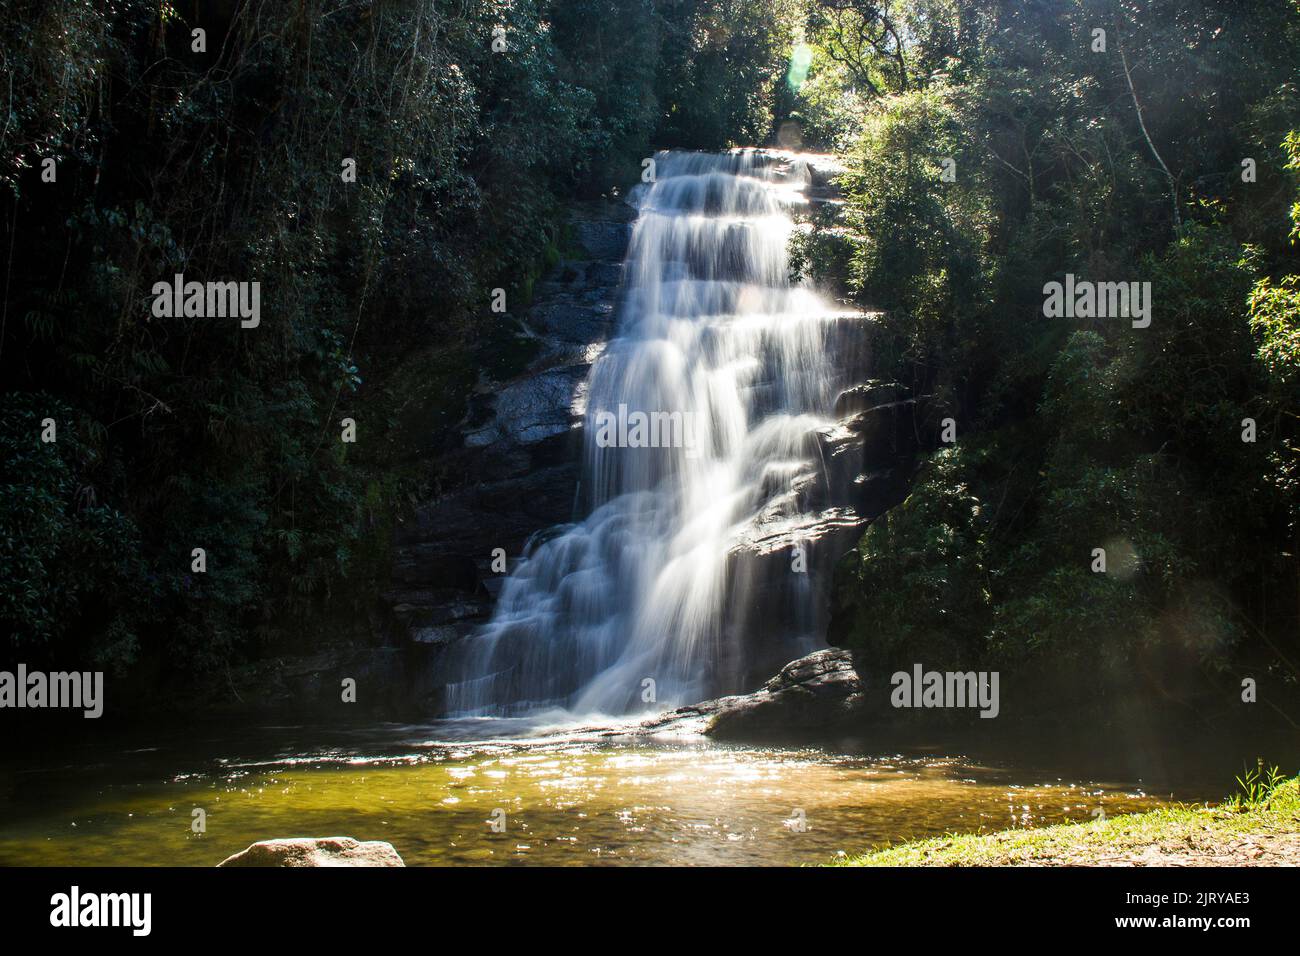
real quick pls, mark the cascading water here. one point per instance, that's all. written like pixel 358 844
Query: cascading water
pixel 725 366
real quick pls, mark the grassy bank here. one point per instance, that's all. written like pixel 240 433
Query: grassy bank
pixel 1260 827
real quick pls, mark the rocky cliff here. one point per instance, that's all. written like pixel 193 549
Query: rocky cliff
pixel 521 445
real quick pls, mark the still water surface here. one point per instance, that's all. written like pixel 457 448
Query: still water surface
pixel 568 797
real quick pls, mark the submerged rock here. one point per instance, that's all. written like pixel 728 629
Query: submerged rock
pixel 316 851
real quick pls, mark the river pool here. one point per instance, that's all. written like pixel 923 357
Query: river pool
pixel 509 793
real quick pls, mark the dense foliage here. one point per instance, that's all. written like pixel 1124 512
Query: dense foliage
pixel 1122 163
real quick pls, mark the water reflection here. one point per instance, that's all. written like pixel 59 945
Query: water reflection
pixel 575 796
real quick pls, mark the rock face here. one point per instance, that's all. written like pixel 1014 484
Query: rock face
pixel 521 446
pixel 316 851
pixel 864 466
pixel 809 697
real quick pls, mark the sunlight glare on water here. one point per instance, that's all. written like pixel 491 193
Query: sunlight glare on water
pixel 579 800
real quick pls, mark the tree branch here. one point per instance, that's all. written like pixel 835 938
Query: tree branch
pixel 1137 108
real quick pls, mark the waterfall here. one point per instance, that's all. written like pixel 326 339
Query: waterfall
pixel 702 430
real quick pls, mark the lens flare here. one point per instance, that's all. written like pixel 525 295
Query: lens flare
pixel 800 62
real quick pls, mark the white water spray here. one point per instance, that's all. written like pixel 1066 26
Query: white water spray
pixel 626 610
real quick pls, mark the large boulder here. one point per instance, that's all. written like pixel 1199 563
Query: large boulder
pixel 808 699
pixel 316 851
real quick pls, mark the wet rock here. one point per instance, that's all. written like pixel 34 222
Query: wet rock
pixel 446 551
pixel 808 699
pixel 869 456
pixel 316 851
pixel 569 320
pixel 861 467
pixel 604 236
pixel 872 394
pixel 534 408
pixel 442 634
pixel 517 464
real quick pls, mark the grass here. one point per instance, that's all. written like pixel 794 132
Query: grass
pixel 1261 824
